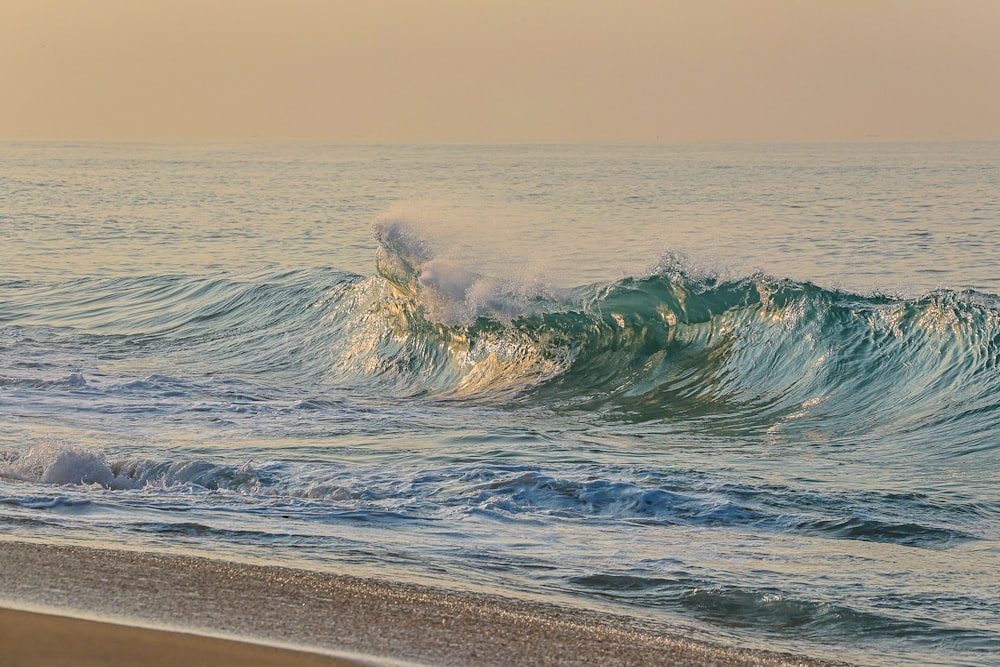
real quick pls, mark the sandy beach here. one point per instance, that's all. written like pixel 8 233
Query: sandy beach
pixel 29 638
pixel 159 610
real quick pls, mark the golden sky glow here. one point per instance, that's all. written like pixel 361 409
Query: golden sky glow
pixel 510 71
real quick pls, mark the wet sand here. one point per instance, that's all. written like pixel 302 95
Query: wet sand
pixel 45 640
pixel 367 621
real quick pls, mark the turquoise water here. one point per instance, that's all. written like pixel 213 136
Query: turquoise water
pixel 750 390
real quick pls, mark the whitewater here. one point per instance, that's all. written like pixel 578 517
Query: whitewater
pixel 750 391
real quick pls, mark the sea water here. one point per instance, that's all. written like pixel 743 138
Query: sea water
pixel 752 391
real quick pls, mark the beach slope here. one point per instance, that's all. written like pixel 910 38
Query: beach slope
pixel 317 613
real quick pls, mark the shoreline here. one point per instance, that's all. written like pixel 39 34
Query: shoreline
pixel 334 620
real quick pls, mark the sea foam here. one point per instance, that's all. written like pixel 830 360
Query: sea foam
pixel 60 464
pixel 416 256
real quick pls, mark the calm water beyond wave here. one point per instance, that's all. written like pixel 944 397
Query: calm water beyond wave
pixel 750 390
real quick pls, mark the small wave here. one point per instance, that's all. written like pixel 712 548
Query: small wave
pixel 784 613
pixel 707 503
pixel 72 381
pixel 875 530
pixel 47 502
pixel 507 493
pixel 270 324
pixel 59 464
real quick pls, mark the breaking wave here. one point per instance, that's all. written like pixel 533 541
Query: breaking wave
pixel 755 353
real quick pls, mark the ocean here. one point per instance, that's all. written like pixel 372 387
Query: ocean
pixel 749 391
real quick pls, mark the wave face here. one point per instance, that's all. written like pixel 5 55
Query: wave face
pixel 754 355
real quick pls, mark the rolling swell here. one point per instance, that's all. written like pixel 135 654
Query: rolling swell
pixel 756 356
pixel 266 324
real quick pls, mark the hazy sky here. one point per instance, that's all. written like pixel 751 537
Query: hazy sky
pixel 500 71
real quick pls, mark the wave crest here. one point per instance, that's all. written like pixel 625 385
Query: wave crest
pixel 448 289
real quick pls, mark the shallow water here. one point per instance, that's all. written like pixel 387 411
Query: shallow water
pixel 748 389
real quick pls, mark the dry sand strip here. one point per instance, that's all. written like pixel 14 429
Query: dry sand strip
pixel 29 639
pixel 344 615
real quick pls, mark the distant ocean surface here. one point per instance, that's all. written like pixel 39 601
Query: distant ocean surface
pixel 749 390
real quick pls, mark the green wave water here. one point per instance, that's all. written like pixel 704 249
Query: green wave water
pixel 743 355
